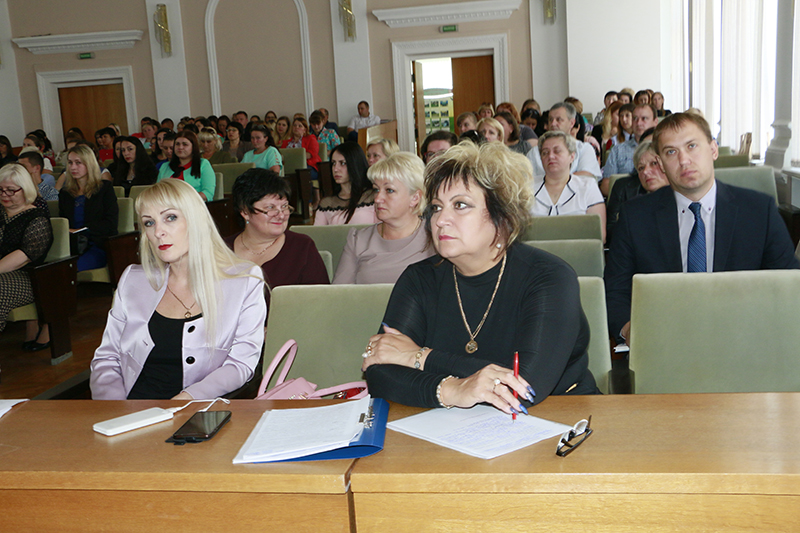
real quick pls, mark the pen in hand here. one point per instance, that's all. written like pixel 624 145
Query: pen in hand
pixel 516 375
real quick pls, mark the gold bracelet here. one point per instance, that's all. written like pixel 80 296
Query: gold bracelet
pixel 439 393
pixel 417 364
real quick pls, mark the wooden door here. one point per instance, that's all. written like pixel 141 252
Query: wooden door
pixel 419 104
pixel 473 83
pixel 92 107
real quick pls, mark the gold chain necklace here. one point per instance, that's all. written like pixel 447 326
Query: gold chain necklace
pixel 188 313
pixel 262 251
pixel 472 346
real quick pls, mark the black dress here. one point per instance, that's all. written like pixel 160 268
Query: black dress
pixel 537 312
pixel 31 232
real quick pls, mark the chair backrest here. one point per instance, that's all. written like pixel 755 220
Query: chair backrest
pixel 219 188
pixel 761 179
pixel 60 248
pixel 293 158
pixel 231 171
pixel 331 324
pixel 612 179
pixel 107 162
pixel 126 215
pixel 745 141
pixel 327 260
pixel 720 332
pixel 593 301
pixel 119 191
pixel 585 256
pixel 727 161
pixel 331 238
pixel 323 152
pixel 564 227
pixel 53 206
pixel 136 190
pixel 725 150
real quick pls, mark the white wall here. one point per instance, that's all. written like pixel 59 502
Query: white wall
pixel 11 124
pixel 612 44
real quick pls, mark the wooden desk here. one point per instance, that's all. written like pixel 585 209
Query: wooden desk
pixel 700 462
pixel 57 474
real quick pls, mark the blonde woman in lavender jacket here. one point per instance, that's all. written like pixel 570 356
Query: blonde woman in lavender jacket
pixel 189 321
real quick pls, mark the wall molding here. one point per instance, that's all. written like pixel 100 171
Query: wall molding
pixel 71 42
pixel 213 69
pixel 48 84
pixel 439 14
pixel 403 53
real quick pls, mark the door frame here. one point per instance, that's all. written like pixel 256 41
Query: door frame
pixel 403 53
pixel 49 82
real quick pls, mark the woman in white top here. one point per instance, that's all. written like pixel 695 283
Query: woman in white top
pixel 559 192
pixel 380 253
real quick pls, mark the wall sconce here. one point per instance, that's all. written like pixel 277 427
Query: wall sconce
pixel 348 19
pixel 162 30
pixel 549 11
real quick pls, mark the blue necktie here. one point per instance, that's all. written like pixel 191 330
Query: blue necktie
pixel 696 260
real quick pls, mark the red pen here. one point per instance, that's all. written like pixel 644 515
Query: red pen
pixel 516 375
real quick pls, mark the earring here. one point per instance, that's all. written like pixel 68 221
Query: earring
pixel 246 221
pixel 499 245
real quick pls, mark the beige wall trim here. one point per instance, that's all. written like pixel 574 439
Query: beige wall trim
pixel 49 83
pixel 213 70
pixel 169 72
pixel 435 15
pixel 405 52
pixel 83 42
pixel 11 123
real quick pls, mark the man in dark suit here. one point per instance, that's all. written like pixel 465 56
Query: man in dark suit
pixel 696 225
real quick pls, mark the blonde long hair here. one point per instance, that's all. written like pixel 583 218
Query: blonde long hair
pixel 93 181
pixel 209 258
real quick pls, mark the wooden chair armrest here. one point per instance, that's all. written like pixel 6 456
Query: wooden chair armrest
pixel 121 251
pixel 55 288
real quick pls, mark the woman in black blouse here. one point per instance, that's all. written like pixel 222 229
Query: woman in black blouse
pixel 25 237
pixel 6 151
pixel 454 321
pixel 135 166
pixel 88 202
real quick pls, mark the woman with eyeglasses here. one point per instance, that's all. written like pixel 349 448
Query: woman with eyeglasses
pixel 25 238
pixel 262 198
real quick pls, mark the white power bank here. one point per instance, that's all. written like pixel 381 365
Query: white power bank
pixel 121 424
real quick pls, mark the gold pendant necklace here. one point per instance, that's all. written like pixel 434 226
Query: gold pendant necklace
pixel 262 251
pixel 472 345
pixel 188 313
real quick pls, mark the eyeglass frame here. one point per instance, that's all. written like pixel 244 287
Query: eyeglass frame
pixel 5 192
pixel 564 447
pixel 272 213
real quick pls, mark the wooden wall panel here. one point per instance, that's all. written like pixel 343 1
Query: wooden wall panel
pixel 92 107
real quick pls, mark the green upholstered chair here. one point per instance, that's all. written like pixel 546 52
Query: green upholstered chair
pixel 727 161
pixel 121 250
pixel 231 171
pixel 55 293
pixel 612 179
pixel 119 191
pixel 564 227
pixel 720 332
pixel 330 238
pixel 593 301
pixel 725 150
pixel 293 158
pixel 136 190
pixel 219 187
pixel 761 179
pixel 327 259
pixel 323 152
pixel 52 205
pixel 331 324
pixel 585 256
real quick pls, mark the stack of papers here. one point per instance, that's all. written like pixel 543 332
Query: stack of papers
pixel 283 434
pixel 6 405
pixel 481 431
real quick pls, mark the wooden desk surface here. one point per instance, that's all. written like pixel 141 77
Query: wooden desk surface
pixel 55 469
pixel 654 462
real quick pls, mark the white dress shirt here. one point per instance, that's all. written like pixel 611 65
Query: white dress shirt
pixel 686 223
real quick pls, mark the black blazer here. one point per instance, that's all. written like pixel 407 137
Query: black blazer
pixel 749 235
pixel 101 213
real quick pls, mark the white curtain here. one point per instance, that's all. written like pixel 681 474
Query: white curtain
pixel 795 142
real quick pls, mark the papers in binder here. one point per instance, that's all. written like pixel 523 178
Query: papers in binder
pixel 481 431
pixel 343 430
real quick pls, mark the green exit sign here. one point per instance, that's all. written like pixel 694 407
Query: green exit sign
pixel 448 29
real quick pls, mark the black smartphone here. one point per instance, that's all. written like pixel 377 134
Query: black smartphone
pixel 201 426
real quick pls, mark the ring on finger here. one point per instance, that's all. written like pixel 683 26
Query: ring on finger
pixel 496 383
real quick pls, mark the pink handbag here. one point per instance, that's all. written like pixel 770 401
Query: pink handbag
pixel 298 388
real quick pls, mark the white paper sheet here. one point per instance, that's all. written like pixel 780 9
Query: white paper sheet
pixel 6 405
pixel 290 433
pixel 481 431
